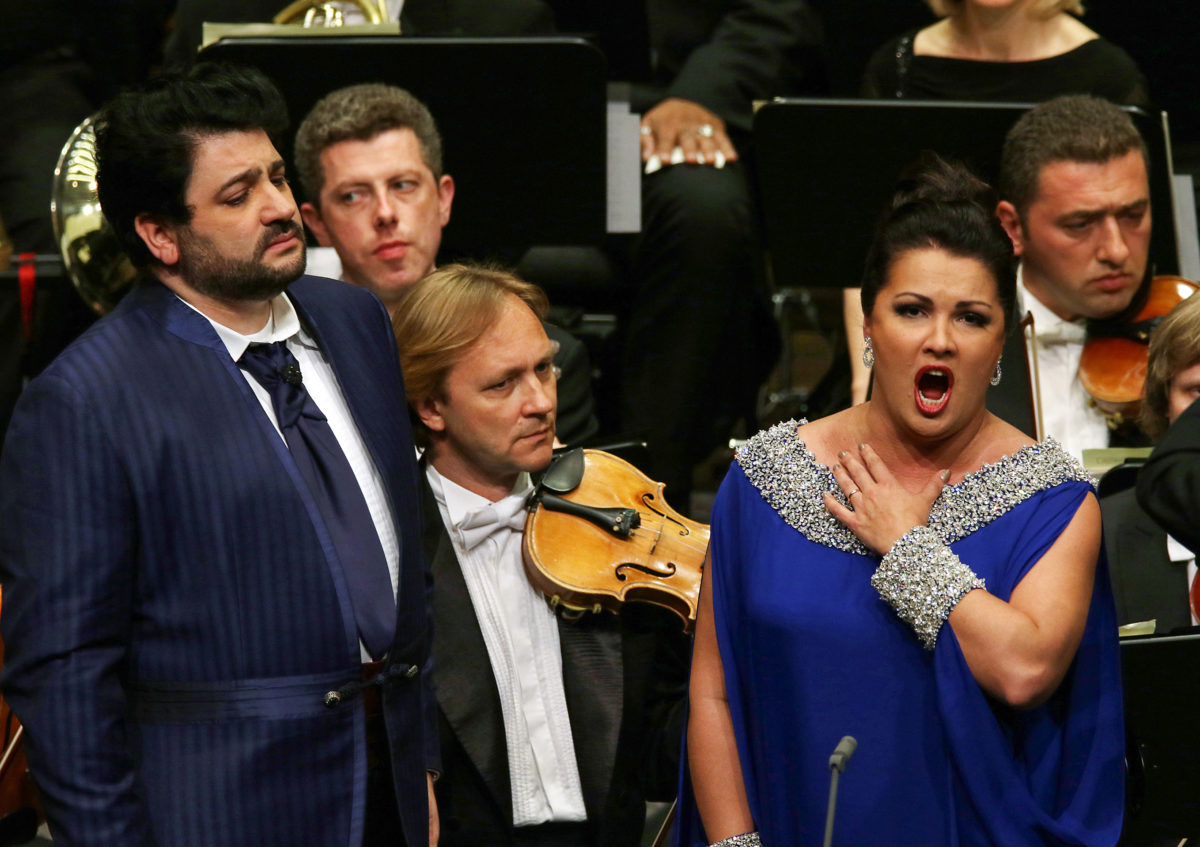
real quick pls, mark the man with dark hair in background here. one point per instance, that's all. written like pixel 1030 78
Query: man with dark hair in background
pixel 1076 204
pixel 214 597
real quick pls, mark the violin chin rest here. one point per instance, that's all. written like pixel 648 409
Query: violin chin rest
pixel 565 472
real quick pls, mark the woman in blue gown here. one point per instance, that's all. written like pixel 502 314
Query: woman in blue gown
pixel 918 574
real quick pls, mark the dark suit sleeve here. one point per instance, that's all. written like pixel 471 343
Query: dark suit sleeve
pixel 664 708
pixel 1169 484
pixel 758 49
pixel 68 564
pixel 576 406
pixel 409 486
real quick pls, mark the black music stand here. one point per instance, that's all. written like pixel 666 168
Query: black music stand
pixel 1161 695
pixel 827 169
pixel 522 122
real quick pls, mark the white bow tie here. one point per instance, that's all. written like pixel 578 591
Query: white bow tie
pixel 479 524
pixel 1063 332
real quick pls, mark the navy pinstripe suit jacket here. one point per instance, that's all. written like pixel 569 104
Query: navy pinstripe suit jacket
pixel 173 611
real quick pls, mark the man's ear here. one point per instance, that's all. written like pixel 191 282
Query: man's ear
pixel 160 239
pixel 1011 221
pixel 312 217
pixel 429 410
pixel 445 197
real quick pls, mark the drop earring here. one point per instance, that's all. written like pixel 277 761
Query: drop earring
pixel 868 354
pixel 996 374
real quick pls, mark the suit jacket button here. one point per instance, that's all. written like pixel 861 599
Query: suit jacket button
pixel 412 671
pixel 332 699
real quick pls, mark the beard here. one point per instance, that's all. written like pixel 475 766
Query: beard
pixel 212 273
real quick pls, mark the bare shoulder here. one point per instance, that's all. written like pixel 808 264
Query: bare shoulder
pixel 933 40
pixel 1070 32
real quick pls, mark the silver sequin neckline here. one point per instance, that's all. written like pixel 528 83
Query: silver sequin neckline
pixel 789 477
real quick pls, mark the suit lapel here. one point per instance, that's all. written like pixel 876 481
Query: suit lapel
pixel 380 419
pixel 186 323
pixel 462 675
pixel 595 692
pixel 1156 585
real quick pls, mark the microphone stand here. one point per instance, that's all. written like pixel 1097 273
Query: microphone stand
pixel 837 764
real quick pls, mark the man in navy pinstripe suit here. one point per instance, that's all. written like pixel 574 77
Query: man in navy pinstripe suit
pixel 179 608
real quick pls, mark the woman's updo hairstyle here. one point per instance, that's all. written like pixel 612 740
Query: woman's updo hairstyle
pixel 942 205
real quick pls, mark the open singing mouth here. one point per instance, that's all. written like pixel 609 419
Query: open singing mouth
pixel 932 389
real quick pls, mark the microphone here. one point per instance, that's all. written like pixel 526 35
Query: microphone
pixel 842 753
pixel 291 374
pixel 837 764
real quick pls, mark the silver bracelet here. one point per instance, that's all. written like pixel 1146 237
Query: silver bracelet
pixel 923 580
pixel 746 839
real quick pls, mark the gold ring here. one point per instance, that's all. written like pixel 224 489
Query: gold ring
pixel 852 493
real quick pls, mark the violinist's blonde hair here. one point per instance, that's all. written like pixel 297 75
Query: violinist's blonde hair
pixel 1039 8
pixel 1174 347
pixel 443 315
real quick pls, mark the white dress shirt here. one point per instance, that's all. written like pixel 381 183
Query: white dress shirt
pixel 1176 552
pixel 521 635
pixel 322 385
pixel 1067 411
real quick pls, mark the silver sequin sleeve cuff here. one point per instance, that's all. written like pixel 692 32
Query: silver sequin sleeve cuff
pixel 923 580
pixel 746 839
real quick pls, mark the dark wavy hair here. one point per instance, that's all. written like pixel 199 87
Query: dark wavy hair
pixel 942 205
pixel 146 138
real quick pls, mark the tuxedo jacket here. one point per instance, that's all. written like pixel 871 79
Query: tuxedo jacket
pixel 1169 483
pixel 1146 583
pixel 174 611
pixel 625 682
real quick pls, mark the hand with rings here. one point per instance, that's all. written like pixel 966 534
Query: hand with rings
pixel 880 509
pixel 677 131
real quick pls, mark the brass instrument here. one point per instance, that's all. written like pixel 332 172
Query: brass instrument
pixel 92 255
pixel 309 12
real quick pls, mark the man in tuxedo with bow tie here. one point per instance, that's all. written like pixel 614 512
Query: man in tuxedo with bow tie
pixel 1076 204
pixel 215 613
pixel 554 731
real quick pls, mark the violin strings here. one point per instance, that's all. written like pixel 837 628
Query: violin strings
pixel 685 541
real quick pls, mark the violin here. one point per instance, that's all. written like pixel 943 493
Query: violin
pixel 20 806
pixel 599 534
pixel 1112 367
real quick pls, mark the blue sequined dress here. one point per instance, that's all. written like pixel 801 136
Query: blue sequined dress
pixel 811 654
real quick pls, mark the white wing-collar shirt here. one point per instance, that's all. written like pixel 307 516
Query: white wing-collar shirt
pixel 1068 413
pixel 521 635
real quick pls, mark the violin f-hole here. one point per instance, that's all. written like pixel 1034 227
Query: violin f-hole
pixel 666 573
